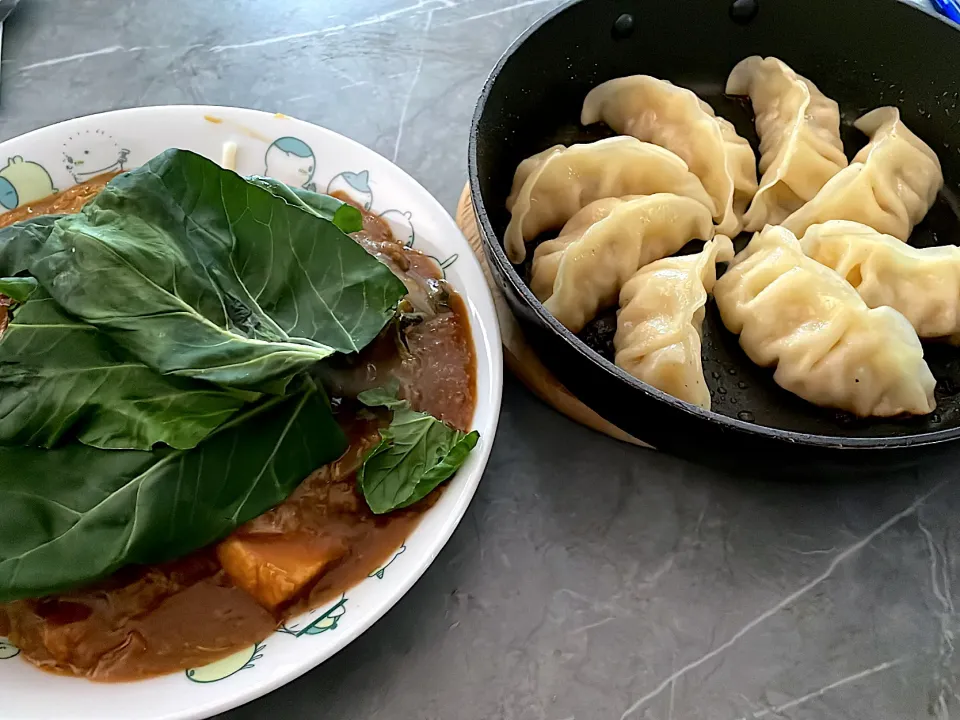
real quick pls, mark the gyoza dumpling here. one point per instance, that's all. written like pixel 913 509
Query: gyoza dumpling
pixel 923 284
pixel 551 186
pixel 658 111
pixel 661 314
pixel 890 185
pixel 547 256
pixel 604 244
pixel 799 131
pixel 827 345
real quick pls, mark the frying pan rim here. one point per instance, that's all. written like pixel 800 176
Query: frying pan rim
pixel 506 270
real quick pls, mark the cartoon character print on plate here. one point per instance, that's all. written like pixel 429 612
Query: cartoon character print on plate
pixel 378 573
pixel 292 161
pixel 225 667
pixel 401 222
pixel 444 264
pixel 8 649
pixel 356 185
pixel 89 153
pixel 23 181
pixel 317 621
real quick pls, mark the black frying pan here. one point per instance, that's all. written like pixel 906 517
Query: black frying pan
pixel 863 54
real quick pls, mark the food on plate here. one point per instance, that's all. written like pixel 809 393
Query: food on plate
pixel 223 401
pixel 62 378
pixel 411 436
pixel 660 319
pixel 603 245
pixel 890 185
pixel 235 310
pixel 673 117
pixel 921 283
pixel 799 129
pixel 827 346
pixel 552 186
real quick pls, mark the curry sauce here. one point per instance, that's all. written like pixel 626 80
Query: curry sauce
pixel 146 621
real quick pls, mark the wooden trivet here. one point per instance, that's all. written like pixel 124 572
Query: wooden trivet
pixel 518 355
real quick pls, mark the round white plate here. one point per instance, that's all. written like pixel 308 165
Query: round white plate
pixel 302 155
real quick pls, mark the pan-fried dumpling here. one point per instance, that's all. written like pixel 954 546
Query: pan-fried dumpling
pixel 799 131
pixel 551 186
pixel 604 244
pixel 827 345
pixel 546 258
pixel 661 314
pixel 890 185
pixel 658 111
pixel 923 284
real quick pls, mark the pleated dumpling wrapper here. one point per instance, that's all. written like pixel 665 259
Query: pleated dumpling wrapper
pixel 660 320
pixel 921 283
pixel 890 185
pixel 799 129
pixel 550 187
pixel 582 271
pixel 660 112
pixel 827 346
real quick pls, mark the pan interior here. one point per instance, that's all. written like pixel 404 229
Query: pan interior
pixel 534 102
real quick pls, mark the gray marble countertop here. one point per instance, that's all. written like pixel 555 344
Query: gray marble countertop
pixel 589 579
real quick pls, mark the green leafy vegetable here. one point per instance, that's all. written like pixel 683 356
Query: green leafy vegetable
pixel 199 273
pixel 60 377
pixel 343 215
pixel 76 514
pixel 18 289
pixel 20 242
pixel 416 453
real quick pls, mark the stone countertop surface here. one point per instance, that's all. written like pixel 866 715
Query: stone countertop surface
pixel 589 580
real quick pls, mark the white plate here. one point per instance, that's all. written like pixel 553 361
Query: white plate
pixel 303 155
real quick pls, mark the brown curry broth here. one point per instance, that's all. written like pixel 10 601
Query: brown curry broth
pixel 146 621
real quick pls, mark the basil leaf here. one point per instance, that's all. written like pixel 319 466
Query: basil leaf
pixel 386 396
pixel 76 514
pixel 416 453
pixel 60 378
pixel 344 215
pixel 18 289
pixel 199 273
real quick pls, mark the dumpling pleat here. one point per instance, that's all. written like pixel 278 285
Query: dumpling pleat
pixel 659 323
pixel 584 269
pixel 673 117
pixel 799 129
pixel 921 283
pixel 551 187
pixel 890 185
pixel 826 344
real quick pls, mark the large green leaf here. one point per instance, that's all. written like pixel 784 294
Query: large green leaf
pixel 18 289
pixel 416 453
pixel 343 215
pixel 75 514
pixel 61 378
pixel 20 242
pixel 200 273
